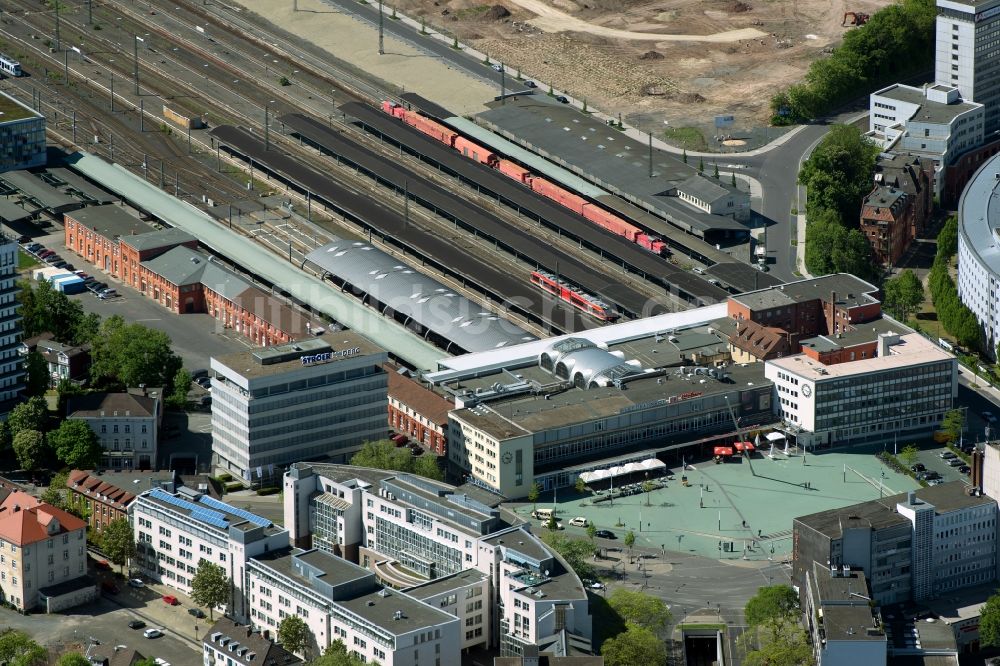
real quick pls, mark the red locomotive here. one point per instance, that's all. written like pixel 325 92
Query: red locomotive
pixel 592 305
pixel 590 211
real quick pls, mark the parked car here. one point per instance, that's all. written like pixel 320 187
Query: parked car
pixel 60 264
pixel 136 624
pixel 579 522
pixel 597 585
pixel 956 462
pixel 70 267
pixel 919 467
pixel 161 662
pixel 935 482
pixel 170 600
pixel 103 564
pixel 53 258
pixel 946 455
pixel 136 582
pixel 152 633
pixel 530 84
pixel 965 469
pixel 605 534
pixel 497 67
pixel 562 99
pixel 45 253
pixel 105 294
pixel 23 240
pixel 197 612
pixel 199 373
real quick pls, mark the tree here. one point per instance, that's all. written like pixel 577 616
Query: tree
pixel 838 173
pixel 780 643
pixel 701 164
pixel 591 532
pixel 86 328
pixel 552 523
pixel 181 383
pixel 126 354
pixel 29 447
pixel 383 454
pixel 953 423
pixel 533 494
pixel 577 552
pixel 53 496
pixel 989 622
pixel 641 610
pixel 903 294
pixel 210 586
pixel 580 486
pixel 18 649
pixel 908 456
pixel 636 645
pixel 775 602
pixel 66 389
pixel 118 542
pixel 30 415
pixel 73 659
pixel 427 466
pixel 629 542
pixel 75 444
pixel 294 634
pixel 336 655
pixel 38 374
pixel 647 487
pixel 48 310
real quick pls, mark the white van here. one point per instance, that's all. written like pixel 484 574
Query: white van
pixel 579 521
pixel 543 514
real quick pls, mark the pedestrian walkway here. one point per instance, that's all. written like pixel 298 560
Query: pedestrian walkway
pixel 737 510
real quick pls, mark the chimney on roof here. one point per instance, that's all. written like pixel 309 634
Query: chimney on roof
pixel 833 311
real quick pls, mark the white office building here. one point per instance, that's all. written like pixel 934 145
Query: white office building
pixel 342 601
pixel 978 251
pixel 450 545
pixel 896 385
pixel 175 531
pixel 966 55
pixel 933 122
pixel 314 399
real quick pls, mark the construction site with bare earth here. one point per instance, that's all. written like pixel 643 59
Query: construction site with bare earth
pixel 678 61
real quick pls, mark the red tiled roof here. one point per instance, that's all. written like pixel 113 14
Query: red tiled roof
pixel 24 519
pixel 423 401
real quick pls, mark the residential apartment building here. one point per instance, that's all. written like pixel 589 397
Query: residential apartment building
pixel 11 365
pixel 62 361
pixel 319 398
pixel 888 222
pixel 126 424
pixel 229 643
pixel 22 135
pixel 418 412
pixel 451 547
pixel 913 175
pixel 342 601
pixel 965 56
pixel 845 629
pixel 43 555
pixel 911 546
pixel 106 496
pixel 175 531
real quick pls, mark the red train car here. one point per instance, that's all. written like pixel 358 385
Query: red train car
pixel 474 151
pixel 592 305
pixel 515 171
pixel 558 194
pixel 429 127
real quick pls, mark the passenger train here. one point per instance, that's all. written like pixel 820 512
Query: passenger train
pixel 9 66
pixel 562 290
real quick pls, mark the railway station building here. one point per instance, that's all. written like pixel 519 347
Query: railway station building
pixel 317 399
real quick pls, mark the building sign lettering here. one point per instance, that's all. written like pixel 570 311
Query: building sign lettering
pixel 329 356
pixel 988 14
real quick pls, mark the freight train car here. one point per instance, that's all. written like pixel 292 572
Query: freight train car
pixel 565 198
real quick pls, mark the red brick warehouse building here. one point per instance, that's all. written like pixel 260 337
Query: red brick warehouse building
pixel 418 412
pixel 164 265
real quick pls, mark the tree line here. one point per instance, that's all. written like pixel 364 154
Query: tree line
pixel 956 318
pixel 838 176
pixel 897 41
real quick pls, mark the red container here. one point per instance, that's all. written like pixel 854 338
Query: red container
pixel 515 171
pixel 474 151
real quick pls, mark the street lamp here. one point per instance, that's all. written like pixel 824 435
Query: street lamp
pixel 135 52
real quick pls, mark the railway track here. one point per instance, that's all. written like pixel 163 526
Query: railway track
pixel 153 61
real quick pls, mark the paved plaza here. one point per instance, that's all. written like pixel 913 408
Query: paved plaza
pixel 749 503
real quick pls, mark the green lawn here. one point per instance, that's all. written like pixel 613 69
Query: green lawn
pixel 25 260
pixel 689 138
